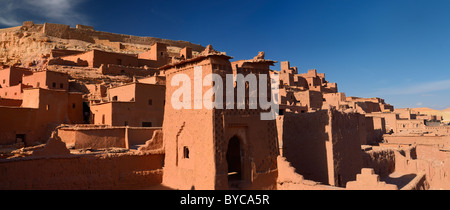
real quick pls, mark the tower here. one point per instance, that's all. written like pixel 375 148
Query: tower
pixel 218 148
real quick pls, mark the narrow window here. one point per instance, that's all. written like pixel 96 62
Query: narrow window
pixel 150 102
pixel 61 85
pixel 186 153
pixel 73 105
pixel 147 124
pixel 54 85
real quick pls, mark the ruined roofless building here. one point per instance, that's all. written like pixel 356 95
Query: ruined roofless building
pixel 218 149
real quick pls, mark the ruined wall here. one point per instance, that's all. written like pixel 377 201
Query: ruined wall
pixel 390 121
pixel 114 45
pixel 323 146
pixel 56 30
pixel 82 172
pixel 426 159
pixel 97 137
pixel 139 136
pixel 441 141
pixel 65 32
pixel 78 59
pixel 379 159
pixel 111 69
pixel 346 133
pixel 369 180
pixel 303 143
pixel 60 53
pixel 101 57
pixel 288 179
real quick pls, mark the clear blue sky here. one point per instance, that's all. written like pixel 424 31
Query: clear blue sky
pixel 398 50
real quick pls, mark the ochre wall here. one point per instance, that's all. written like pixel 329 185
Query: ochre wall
pixel 82 172
pixel 323 146
pixel 97 137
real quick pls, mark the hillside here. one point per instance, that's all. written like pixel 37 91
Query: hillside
pixel 27 44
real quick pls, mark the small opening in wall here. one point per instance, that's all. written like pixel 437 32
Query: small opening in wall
pixel 186 153
pixel 20 138
pixel 147 124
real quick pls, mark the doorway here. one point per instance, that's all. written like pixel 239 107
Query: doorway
pixel 234 159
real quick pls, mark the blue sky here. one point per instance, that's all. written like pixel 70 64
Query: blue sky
pixel 398 50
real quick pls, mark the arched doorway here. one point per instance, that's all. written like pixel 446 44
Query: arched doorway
pixel 234 154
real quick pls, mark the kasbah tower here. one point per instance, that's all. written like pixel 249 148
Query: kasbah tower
pixel 218 149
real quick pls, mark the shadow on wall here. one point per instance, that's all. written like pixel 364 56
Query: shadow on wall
pixel 304 144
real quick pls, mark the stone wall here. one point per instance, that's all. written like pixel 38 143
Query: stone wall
pixel 111 69
pixel 65 32
pixel 381 160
